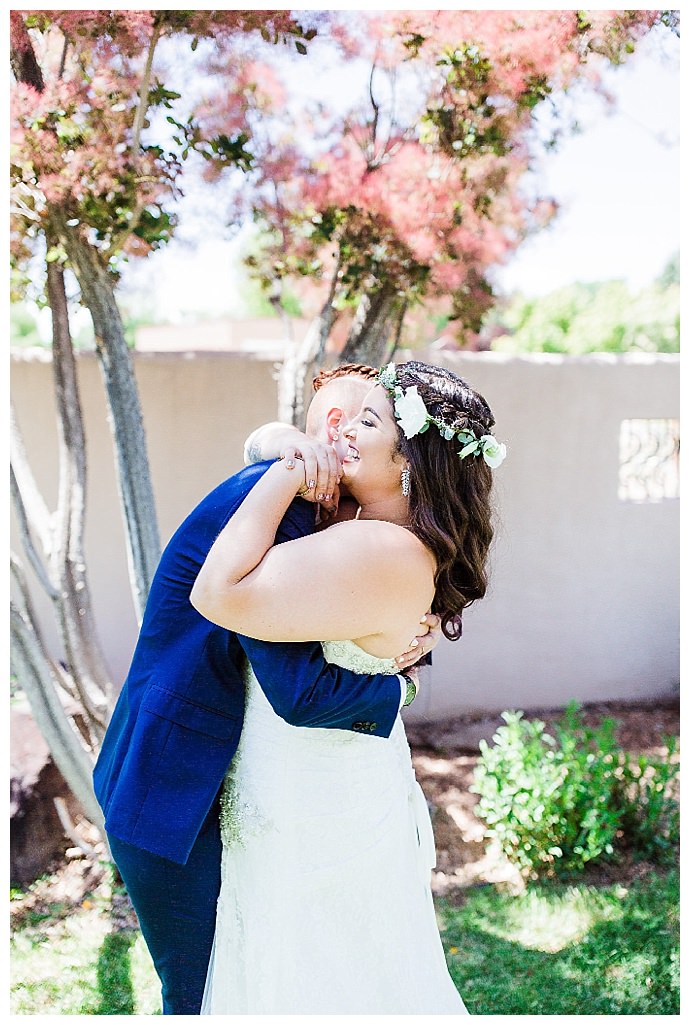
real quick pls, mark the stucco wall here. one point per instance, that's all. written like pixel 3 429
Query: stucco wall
pixel 584 595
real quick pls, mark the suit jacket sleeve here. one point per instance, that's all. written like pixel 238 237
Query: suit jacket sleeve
pixel 306 690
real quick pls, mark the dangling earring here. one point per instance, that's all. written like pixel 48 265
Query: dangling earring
pixel 336 434
pixel 405 481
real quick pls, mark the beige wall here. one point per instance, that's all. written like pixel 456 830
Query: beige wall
pixel 584 599
pixel 584 596
pixel 264 335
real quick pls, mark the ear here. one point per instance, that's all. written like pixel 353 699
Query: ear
pixel 334 420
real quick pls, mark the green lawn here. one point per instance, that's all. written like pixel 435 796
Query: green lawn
pixel 71 960
pixel 558 949
pixel 555 949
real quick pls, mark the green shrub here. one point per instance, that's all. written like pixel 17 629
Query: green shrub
pixel 650 822
pixel 556 803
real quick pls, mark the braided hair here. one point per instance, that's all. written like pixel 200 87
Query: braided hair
pixel 345 370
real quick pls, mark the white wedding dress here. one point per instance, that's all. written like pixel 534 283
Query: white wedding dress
pixel 325 905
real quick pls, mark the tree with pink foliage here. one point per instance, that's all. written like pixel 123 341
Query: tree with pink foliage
pixel 94 180
pixel 415 193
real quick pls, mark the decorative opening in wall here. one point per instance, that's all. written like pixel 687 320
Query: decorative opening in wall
pixel 649 458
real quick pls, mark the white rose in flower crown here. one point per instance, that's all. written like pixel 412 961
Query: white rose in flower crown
pixel 494 452
pixel 411 413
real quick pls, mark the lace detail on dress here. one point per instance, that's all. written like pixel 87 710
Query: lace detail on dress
pixel 349 655
pixel 239 818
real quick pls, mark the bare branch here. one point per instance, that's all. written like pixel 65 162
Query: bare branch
pixel 366 341
pixel 17 204
pixel 134 479
pixel 65 744
pixel 36 509
pixel 70 829
pixel 25 609
pixel 328 310
pixel 71 685
pixel 25 606
pixel 144 90
pixel 374 104
pixel 63 57
pixel 27 540
pixel 118 240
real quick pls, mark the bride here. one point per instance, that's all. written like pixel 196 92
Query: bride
pixel 326 904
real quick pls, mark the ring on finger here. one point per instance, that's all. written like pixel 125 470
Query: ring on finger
pixel 311 484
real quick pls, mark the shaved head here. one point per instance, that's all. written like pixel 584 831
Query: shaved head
pixel 346 393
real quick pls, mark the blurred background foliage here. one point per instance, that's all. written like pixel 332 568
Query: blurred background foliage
pixel 605 316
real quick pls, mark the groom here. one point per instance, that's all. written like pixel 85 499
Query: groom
pixel 177 723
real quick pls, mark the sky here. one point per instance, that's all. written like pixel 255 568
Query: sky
pixel 617 184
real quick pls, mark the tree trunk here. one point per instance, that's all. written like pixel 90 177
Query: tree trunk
pixel 126 421
pixel 303 358
pixel 23 61
pixel 70 702
pixel 73 602
pixel 39 678
pixel 371 329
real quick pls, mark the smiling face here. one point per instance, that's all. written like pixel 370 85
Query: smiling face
pixel 334 405
pixel 372 463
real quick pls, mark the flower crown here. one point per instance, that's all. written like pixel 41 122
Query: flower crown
pixel 414 418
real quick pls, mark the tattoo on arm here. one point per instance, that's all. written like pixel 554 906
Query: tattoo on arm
pixel 254 452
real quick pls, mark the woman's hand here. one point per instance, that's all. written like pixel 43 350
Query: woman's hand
pixel 283 441
pixel 423 643
pixel 309 490
pixel 322 468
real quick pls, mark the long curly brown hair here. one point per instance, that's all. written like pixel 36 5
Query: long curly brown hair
pixel 450 498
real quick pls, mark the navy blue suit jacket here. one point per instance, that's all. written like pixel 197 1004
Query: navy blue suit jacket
pixel 178 719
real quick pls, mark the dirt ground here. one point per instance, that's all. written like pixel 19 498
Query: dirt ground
pixel 444 757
